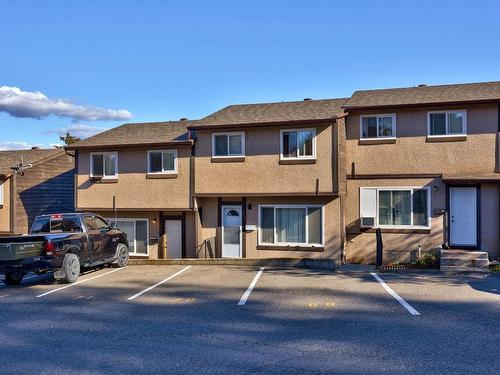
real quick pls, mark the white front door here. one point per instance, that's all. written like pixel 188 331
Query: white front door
pixel 231 231
pixel 463 216
pixel 173 229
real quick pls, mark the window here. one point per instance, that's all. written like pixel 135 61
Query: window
pixel 1 193
pixel 387 207
pixel 228 144
pixel 298 144
pixel 164 161
pixel 95 223
pixel 137 234
pixel 56 224
pixel 378 126
pixel 291 225
pixel 104 165
pixel 443 123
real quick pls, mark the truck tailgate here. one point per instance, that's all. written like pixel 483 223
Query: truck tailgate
pixel 20 250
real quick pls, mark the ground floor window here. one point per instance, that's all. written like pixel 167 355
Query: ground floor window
pixel 290 225
pixel 394 207
pixel 137 234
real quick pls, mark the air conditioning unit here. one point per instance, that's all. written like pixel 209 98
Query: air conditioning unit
pixel 368 222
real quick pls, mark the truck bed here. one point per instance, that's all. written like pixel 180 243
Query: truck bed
pixel 20 247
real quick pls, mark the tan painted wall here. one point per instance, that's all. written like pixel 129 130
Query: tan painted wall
pixel 490 238
pixel 412 154
pixel 261 171
pixel 133 190
pixel 5 208
pixel 332 227
pixel 363 244
pixel 154 228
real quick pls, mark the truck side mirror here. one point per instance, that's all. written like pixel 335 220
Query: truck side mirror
pixel 113 226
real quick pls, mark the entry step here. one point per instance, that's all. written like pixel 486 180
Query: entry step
pixel 463 260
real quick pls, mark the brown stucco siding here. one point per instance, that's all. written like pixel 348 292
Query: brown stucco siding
pixel 489 219
pixel 412 154
pixel 339 157
pixel 261 171
pixel 332 229
pixel 46 188
pixel 361 243
pixel 5 208
pixel 134 190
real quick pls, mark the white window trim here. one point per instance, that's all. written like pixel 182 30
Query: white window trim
pixel 399 188
pixel 447 135
pixel 291 244
pixel 134 219
pixel 307 157
pixel 104 167
pixel 1 192
pixel 242 154
pixel 392 115
pixel 174 151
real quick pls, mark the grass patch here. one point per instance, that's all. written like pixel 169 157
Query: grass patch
pixel 495 267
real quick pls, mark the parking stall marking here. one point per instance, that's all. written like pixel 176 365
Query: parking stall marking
pixel 244 297
pixel 78 282
pixel 405 304
pixel 157 284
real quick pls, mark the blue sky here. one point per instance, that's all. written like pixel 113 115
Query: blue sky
pixel 163 60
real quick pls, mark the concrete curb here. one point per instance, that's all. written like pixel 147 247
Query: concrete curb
pixel 320 264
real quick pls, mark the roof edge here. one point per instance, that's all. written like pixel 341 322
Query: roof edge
pixel 414 105
pixel 170 143
pixel 263 124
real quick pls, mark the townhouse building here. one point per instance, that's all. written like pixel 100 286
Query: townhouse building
pixel 311 178
pixel 34 182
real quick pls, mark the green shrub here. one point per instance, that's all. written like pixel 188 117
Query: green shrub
pixel 426 260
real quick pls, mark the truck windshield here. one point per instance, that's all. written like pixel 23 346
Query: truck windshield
pixel 56 224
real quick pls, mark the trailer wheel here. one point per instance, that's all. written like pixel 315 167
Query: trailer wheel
pixel 13 278
pixel 71 268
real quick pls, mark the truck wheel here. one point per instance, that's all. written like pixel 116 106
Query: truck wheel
pixel 122 255
pixel 71 268
pixel 13 278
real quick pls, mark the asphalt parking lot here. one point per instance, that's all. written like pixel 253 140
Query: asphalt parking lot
pixel 248 320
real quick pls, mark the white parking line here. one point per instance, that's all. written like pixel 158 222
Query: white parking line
pixel 245 295
pixel 405 304
pixel 79 282
pixel 157 284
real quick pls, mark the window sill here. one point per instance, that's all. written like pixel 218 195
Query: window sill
pixel 228 159
pixel 297 161
pixel 407 230
pixel 291 248
pixel 161 175
pixel 447 138
pixel 376 141
pixel 104 180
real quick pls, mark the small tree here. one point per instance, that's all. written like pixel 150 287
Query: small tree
pixel 69 139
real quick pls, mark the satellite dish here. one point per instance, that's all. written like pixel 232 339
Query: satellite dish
pixel 20 168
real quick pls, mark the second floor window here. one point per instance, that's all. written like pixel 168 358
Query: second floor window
pixel 447 123
pixel 1 193
pixel 164 161
pixel 104 164
pixel 228 144
pixel 298 144
pixel 378 126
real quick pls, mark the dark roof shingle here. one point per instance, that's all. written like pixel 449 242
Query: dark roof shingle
pixel 458 93
pixel 137 134
pixel 249 114
pixel 12 158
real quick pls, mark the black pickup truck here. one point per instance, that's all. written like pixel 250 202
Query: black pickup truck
pixel 63 243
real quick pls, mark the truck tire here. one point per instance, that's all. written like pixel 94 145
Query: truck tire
pixel 13 278
pixel 71 268
pixel 121 255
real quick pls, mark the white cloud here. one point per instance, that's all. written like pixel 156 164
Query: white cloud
pixel 19 103
pixel 77 130
pixel 12 145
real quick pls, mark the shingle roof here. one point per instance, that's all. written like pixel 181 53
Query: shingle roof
pixel 459 93
pixel 252 114
pixel 12 158
pixel 138 134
